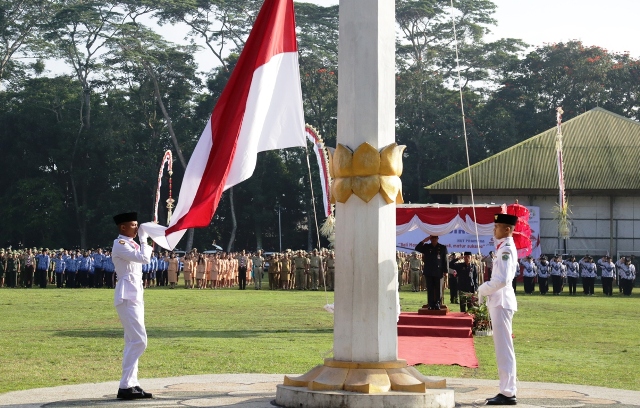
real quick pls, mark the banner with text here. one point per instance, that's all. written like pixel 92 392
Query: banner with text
pixel 459 241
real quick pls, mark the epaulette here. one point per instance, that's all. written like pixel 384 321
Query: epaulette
pixel 121 242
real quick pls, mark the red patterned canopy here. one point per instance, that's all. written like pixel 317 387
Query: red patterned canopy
pixel 522 232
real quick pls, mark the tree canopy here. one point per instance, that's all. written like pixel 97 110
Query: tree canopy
pixel 79 147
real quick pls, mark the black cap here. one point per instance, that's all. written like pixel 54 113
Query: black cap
pixel 467 253
pixel 505 219
pixel 125 217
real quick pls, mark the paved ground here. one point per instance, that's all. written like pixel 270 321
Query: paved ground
pixel 259 390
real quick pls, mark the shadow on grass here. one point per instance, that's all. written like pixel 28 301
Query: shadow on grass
pixel 168 334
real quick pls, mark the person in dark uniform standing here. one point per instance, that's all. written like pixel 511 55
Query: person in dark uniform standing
pixel 434 258
pixel 467 275
pixel 243 262
pixel 13 268
pixel 3 266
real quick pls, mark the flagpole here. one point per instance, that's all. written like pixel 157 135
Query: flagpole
pixel 365 168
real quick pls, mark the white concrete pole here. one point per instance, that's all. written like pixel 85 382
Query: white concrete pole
pixel 365 297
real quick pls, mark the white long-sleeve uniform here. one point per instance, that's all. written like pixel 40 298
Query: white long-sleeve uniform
pixel 572 268
pixel 502 305
pixel 530 269
pixel 128 258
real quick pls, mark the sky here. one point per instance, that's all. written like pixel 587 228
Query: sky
pixel 611 24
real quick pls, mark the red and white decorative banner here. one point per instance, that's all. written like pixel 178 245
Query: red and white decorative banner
pixel 563 198
pixel 435 219
pixel 322 155
pixel 168 160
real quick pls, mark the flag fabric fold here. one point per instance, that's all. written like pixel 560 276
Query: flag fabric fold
pixel 260 109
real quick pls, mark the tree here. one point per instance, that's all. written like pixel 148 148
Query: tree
pixel 318 49
pixel 223 25
pixel 428 41
pixel 570 75
pixel 143 54
pixel 37 124
pixel 428 109
pixel 20 24
pixel 79 33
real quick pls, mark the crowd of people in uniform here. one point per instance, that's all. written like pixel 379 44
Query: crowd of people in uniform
pixel 568 271
pixel 299 270
pixel 303 270
pixel 467 271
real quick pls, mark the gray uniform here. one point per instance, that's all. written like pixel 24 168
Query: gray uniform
pixel 315 264
pixel 258 264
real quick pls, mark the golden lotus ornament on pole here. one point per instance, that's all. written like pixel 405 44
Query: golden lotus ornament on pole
pixel 366 172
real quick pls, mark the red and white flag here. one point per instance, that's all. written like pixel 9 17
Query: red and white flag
pixel 260 109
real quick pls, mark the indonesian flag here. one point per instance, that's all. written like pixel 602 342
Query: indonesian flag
pixel 260 109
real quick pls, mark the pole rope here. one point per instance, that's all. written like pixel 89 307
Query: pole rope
pixel 315 218
pixel 464 127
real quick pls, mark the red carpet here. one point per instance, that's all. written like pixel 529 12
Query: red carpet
pixel 446 340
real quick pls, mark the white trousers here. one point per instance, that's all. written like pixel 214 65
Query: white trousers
pixel 131 315
pixel 505 354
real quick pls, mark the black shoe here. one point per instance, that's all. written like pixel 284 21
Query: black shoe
pixel 502 400
pixel 437 306
pixel 146 394
pixel 131 393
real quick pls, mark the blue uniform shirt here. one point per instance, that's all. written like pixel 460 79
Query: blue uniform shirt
pixel 71 265
pixel 98 260
pixel 43 261
pixel 59 265
pixel 84 263
pixel 107 264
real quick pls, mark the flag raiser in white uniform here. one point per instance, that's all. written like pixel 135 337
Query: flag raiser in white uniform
pixel 502 305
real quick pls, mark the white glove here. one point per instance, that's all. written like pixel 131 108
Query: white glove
pixel 143 236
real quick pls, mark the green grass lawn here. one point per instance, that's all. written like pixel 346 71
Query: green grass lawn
pixel 57 336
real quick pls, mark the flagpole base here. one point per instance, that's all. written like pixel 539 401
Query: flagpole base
pixel 371 384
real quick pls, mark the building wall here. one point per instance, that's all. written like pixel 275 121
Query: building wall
pixel 600 224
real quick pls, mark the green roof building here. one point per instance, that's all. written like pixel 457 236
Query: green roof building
pixel 602 182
